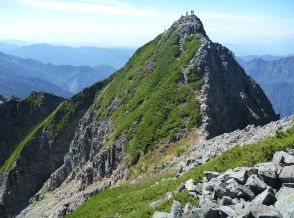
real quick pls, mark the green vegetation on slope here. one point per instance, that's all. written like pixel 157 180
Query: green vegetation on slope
pixel 155 102
pixel 133 200
pixel 58 119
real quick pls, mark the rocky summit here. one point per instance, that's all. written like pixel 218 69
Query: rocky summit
pixel 180 82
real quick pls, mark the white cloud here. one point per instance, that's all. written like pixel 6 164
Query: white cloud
pixel 113 7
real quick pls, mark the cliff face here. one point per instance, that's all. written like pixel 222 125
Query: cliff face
pixel 18 118
pixel 232 100
pixel 176 83
pixel 38 155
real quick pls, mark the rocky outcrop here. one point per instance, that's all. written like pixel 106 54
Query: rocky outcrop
pixel 43 153
pixel 231 99
pixel 18 118
pixel 265 190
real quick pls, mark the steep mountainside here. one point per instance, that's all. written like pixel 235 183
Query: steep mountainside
pixel 66 55
pixel 41 152
pixel 177 83
pixel 276 77
pixel 21 76
pixel 18 118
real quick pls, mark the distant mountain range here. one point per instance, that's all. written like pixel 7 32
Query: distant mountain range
pixel 20 76
pixel 66 55
pixel 276 77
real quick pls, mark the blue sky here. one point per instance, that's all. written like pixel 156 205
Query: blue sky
pixel 259 26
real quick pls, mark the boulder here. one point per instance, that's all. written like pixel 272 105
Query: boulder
pixel 198 188
pixel 181 187
pixel 285 201
pixel 190 185
pixel 227 211
pixel 225 201
pixel 261 211
pixel 289 185
pixel 240 174
pixel 188 209
pixel 242 208
pixel 176 210
pixel 198 213
pixel 213 213
pixel 239 191
pixel 282 157
pixel 287 174
pixel 267 197
pixel 255 184
pixel 161 215
pixel 290 151
pixel 210 175
pixel 269 172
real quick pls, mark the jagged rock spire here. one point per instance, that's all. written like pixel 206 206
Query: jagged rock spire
pixel 189 24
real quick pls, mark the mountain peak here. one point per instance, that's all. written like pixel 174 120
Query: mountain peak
pixel 188 25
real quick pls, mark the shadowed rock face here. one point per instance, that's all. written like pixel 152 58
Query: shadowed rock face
pixel 232 99
pixel 18 118
pixel 94 159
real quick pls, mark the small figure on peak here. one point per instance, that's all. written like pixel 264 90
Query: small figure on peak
pixel 187 13
pixel 192 12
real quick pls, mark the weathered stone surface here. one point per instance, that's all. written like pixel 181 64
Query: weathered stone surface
pixel 267 197
pixel 282 157
pixel 269 172
pixel 259 211
pixel 190 185
pixel 176 210
pixel 162 215
pixel 240 174
pixel 287 174
pixel 227 211
pixel 239 191
pixel 285 201
pixel 210 175
pixel 225 201
pixel 255 184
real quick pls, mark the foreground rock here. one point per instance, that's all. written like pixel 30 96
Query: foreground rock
pixel 265 190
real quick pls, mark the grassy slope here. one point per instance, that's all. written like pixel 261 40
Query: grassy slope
pixel 57 120
pixel 133 200
pixel 152 106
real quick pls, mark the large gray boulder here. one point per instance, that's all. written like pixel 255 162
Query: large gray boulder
pixel 161 215
pixel 255 184
pixel 227 211
pixel 190 185
pixel 287 174
pixel 240 174
pixel 267 197
pixel 239 191
pixel 176 210
pixel 269 172
pixel 285 201
pixel 282 157
pixel 262 211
